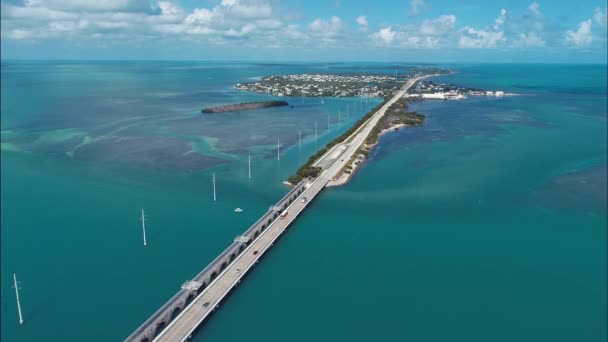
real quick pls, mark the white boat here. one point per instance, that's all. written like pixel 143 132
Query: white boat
pixel 238 210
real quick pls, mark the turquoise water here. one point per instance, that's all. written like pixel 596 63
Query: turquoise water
pixel 487 223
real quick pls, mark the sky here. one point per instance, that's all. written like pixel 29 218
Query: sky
pixel 441 31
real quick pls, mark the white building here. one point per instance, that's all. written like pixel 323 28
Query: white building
pixel 434 96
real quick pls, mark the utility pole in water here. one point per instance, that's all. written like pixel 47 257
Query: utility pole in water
pixel 213 179
pixel 16 285
pixel 143 226
pixel 249 164
pixel 278 149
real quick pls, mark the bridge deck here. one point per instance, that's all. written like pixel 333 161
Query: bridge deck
pixel 190 317
pixel 184 324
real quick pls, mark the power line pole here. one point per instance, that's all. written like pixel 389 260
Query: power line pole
pixel 249 166
pixel 143 226
pixel 213 179
pixel 278 149
pixel 16 285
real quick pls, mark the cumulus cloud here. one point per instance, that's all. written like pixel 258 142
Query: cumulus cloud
pixel 600 17
pixel 383 37
pixel 136 19
pixel 472 38
pixel 326 30
pixel 438 26
pixel 431 33
pixel 96 6
pixel 416 6
pixel 581 37
pixel 362 22
pixel 258 23
pixel 534 8
pixel 501 19
pixel 530 39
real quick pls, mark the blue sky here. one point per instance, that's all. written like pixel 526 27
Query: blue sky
pixel 306 30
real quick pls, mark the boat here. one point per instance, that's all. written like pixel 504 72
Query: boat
pixel 238 210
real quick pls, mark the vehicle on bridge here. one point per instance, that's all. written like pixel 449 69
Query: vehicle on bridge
pixel 283 214
pixel 304 199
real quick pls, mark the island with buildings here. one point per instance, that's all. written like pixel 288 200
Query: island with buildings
pixel 332 85
pixel 362 85
pixel 429 90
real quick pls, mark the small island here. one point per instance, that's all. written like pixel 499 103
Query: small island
pixel 394 118
pixel 244 106
pixel 334 84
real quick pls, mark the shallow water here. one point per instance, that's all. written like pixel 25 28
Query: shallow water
pixel 487 223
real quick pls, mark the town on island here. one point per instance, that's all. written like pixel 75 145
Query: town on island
pixel 388 87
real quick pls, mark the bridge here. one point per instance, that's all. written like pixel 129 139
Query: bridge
pixel 177 319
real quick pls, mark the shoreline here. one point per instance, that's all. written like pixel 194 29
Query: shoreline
pixel 361 148
pixel 344 177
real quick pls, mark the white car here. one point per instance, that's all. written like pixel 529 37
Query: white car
pixel 304 199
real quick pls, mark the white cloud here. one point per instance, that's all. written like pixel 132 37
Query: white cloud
pixel 259 10
pixel 600 17
pixel 431 33
pixel 326 30
pixel 256 23
pixel 534 8
pixel 384 36
pixel 530 39
pixel 95 6
pixel 362 22
pixel 201 16
pixel 268 23
pixel 18 34
pixel 228 3
pixel 501 19
pixel 416 6
pixel 472 38
pixel 439 26
pixel 581 37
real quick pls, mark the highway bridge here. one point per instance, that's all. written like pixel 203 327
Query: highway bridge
pixel 178 318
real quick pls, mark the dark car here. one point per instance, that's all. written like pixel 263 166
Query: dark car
pixel 255 252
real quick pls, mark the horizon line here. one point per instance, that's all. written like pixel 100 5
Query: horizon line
pixel 287 61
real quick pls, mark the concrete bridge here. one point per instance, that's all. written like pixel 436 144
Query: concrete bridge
pixel 191 288
pixel 178 318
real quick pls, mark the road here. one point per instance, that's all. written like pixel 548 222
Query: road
pixel 182 327
pixel 185 323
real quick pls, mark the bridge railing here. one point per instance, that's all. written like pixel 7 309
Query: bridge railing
pixel 157 314
pixel 217 260
pixel 235 245
pixel 209 268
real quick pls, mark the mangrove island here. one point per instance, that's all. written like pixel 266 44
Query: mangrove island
pixel 244 106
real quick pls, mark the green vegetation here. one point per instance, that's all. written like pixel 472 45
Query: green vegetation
pixel 307 170
pixel 244 106
pixel 395 114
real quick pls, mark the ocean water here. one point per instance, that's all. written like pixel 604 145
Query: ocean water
pixel 488 223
